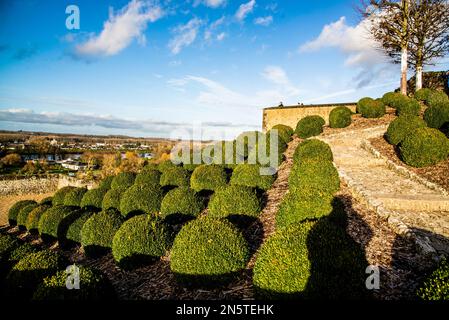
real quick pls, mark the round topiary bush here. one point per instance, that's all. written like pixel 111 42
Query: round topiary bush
pixel 249 175
pixel 15 209
pixel 140 240
pixel 436 98
pixel 148 177
pixel 208 177
pixel 99 230
pixel 268 153
pixel 437 116
pixel 373 109
pixel 313 149
pixel 311 177
pixel 388 98
pixel 297 207
pixel 106 182
pixel 423 94
pixel 29 272
pixel 436 286
pixel 408 106
pixel 424 147
pixel 112 198
pixel 233 201
pixel 32 222
pixel 141 199
pixel 285 128
pixel 208 252
pixel 93 198
pixel 310 126
pixel 59 196
pixel 73 226
pixel 74 197
pixel 94 286
pixel 175 177
pixel 123 180
pixel 363 103
pixel 181 203
pixel 246 141
pixel 23 215
pixel 11 251
pixel 165 165
pixel 50 222
pixel 8 243
pixel 400 127
pixel 223 153
pixel 340 117
pixel 47 200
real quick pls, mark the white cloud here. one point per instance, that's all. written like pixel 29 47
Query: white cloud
pixel 121 29
pixel 185 35
pixel 210 3
pixel 278 76
pixel 221 36
pixel 264 21
pixel 244 10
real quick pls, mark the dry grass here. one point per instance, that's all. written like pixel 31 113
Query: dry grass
pixel 7 201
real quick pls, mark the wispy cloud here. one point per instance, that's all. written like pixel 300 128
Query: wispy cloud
pixel 185 35
pixel 210 3
pixel 278 76
pixel 121 29
pixel 245 9
pixel 264 21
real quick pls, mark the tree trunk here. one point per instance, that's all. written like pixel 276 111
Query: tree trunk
pixel 418 78
pixel 404 46
pixel 404 67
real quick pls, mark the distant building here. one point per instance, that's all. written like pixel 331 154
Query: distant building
pixel 73 165
pixel 54 143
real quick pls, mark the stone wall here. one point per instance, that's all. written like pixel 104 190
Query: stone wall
pixel 290 115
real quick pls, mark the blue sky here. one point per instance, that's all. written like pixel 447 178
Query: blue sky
pixel 160 68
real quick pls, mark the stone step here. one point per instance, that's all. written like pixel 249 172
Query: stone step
pixel 420 202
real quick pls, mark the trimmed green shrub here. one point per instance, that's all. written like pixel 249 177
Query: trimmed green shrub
pixel 313 149
pixel 436 98
pixel 208 252
pixel 311 177
pixel 388 98
pixel 297 207
pixel 208 177
pixel 340 117
pixel 283 127
pixel 74 197
pixel 29 272
pixel 20 252
pixel 408 106
pixel 141 199
pixel 223 153
pixel 112 198
pixel 373 109
pixel 15 209
pixel 59 196
pixel 94 286
pixel 106 182
pixel 401 127
pixel 310 126
pixel 93 198
pixel 99 230
pixel 23 215
pixel 249 175
pixel 247 141
pixel 193 159
pixel 234 200
pixel 148 177
pixel 437 116
pixel 8 243
pixel 123 180
pixel 283 134
pixel 150 167
pixel 166 165
pixel 424 147
pixel 11 251
pixel 423 94
pixel 363 103
pixel 265 156
pixel 175 177
pixel 74 225
pixel 436 286
pixel 47 200
pixel 32 222
pixel 182 201
pixel 140 240
pixel 49 223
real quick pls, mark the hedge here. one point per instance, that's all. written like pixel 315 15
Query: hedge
pixel 123 180
pixel 140 240
pixel 93 198
pixel 436 286
pixel 249 175
pixel 424 147
pixel 408 106
pixel 112 198
pixel 74 226
pixel 23 215
pixel 165 165
pixel 8 243
pixel 94 286
pixel 106 182
pixel 29 272
pixel 264 156
pixel 99 230
pixel 246 141
pixel 437 116
pixel 148 177
pixel 234 200
pixel 313 149
pixel 363 103
pixel 59 196
pixel 401 127
pixel 285 128
pixel 175 177
pixel 47 200
pixel 310 126
pixel 373 109
pixel 50 223
pixel 389 98
pixel 141 199
pixel 208 252
pixel 423 94
pixel 437 98
pixel 74 197
pixel 208 177
pixel 340 117
pixel 13 212
pixel 313 177
pixel 32 222
pixel 182 203
pixel 223 153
